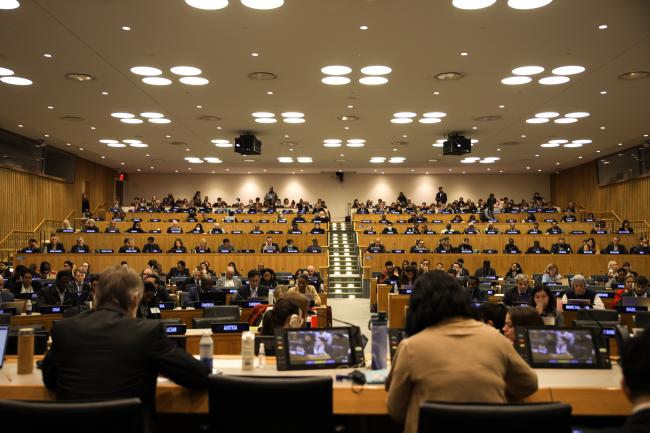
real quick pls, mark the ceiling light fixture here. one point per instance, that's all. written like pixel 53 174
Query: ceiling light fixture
pixel 9 4
pixel 568 70
pixel 552 81
pixel 121 115
pixel 152 115
pixel 335 81
pixel 263 114
pixel 160 121
pixel 537 120
pixel 185 70
pixel 577 114
pixel 292 114
pixel 373 80
pixel 563 120
pixel 528 70
pixel 194 81
pixel 528 4
pixel 336 70
pixel 472 4
pixel 209 5
pixel 547 114
pixel 293 120
pixel 5 71
pixel 429 120
pixel 404 114
pixel 16 81
pixel 376 70
pixel 131 121
pixel 265 120
pixel 145 70
pixel 448 76
pixel 635 75
pixel 401 120
pixel 79 77
pixel 262 4
pixel 157 81
pixel 515 81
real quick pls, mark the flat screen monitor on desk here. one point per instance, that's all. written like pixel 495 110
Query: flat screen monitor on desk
pixel 307 349
pixel 632 301
pixel 4 332
pixel 18 305
pixel 216 298
pixel 546 347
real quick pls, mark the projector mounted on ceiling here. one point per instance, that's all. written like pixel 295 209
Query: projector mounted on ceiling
pixel 248 144
pixel 457 145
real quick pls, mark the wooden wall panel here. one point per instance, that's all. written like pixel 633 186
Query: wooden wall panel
pixel 629 200
pixel 29 198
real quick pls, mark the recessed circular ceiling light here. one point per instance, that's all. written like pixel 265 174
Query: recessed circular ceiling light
pixel 528 4
pixel 582 141
pixel 473 141
pixel 194 81
pixel 9 4
pixel 160 121
pixel 185 70
pixel 293 120
pixel 348 144
pixel 635 75
pixel 304 159
pixel 336 70
pixel 396 160
pixel 486 161
pixel 285 159
pixel 356 140
pixel 577 114
pixel 547 114
pixel 550 145
pixel 335 81
pixel 448 76
pixel 212 160
pixel 515 81
pixel 565 120
pixel 262 114
pixel 108 141
pixel 430 120
pixel 222 143
pixel 116 144
pixel 467 161
pixel 434 114
pixel 16 81
pixel 293 114
pixel 5 71
pixel 401 120
pixel 146 70
pixel 492 158
pixel 559 141
pixel 537 120
pixel 209 5
pixel 472 4
pixel 332 144
pixel 78 76
pixel 437 145
pixel 132 121
pixel 404 114
pixel 262 4
pixel 331 140
pixel 265 120
pixel 568 70
pixel 552 81
pixel 152 115
pixel 121 115
pixel 572 145
pixel 129 141
pixel 377 159
pixel 157 81
pixel 528 70
pixel 140 145
pixel 376 70
pixel 373 80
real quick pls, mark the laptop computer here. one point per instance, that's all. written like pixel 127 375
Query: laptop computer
pixel 630 301
pixel 4 333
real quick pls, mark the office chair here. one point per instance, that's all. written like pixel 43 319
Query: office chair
pixel 124 416
pixel 5 319
pixel 222 313
pixel 311 407
pixel 497 418
pixel 598 315
pixel 203 322
pixel 641 319
pixel 171 321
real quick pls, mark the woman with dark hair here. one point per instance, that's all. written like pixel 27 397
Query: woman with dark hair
pixel 408 276
pixel 178 247
pixel 542 300
pixel 450 356
pixel 234 266
pixel 198 229
pixel 515 269
pixel 286 313
pixel 625 228
pixel 268 279
pixel 520 316
pixel 135 228
pixel 45 271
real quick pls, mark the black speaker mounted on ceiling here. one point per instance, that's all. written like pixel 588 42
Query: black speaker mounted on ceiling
pixel 248 144
pixel 457 145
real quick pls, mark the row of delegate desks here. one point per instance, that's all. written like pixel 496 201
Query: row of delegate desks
pixel 590 392
pixel 123 226
pixel 531 263
pixel 166 240
pixel 446 218
pixel 219 217
pixel 244 262
pixel 438 226
pixel 484 241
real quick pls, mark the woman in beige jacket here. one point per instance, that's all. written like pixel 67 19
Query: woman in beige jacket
pixel 449 356
pixel 303 286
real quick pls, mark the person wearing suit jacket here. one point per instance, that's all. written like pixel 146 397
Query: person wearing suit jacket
pixel 59 293
pixel 80 246
pixel 78 284
pixel 229 281
pixel 55 245
pixel 25 284
pixel 107 353
pixel 616 247
pixel 151 246
pixel 635 363
pixel 269 246
pixel 32 247
pixel 253 290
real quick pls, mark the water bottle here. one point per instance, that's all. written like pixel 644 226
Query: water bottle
pixel 379 327
pixel 206 350
pixel 28 307
pixel 262 355
pixel 271 298
pixel 247 350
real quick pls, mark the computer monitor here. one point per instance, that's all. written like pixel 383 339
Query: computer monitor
pixel 551 347
pixel 217 298
pixel 18 305
pixel 4 336
pixel 633 301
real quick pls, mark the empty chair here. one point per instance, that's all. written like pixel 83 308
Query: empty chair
pixel 641 319
pixel 497 418
pixel 598 315
pixel 222 313
pixel 203 322
pixel 310 397
pixel 5 319
pixel 124 416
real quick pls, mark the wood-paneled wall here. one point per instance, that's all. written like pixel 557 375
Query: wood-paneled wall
pixel 29 198
pixel 579 184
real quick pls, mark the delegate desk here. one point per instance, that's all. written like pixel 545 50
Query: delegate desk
pixel 484 241
pixel 446 218
pixel 288 262
pixel 218 217
pixel 162 225
pixel 591 392
pixel 166 240
pixel 531 263
pixel 502 227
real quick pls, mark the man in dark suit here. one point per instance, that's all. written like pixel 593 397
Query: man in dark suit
pixel 253 289
pixel 78 284
pixel 561 247
pixel 511 248
pixel 25 284
pixel 616 247
pixel 129 246
pixel 107 353
pixel 635 364
pixel 151 246
pixel 290 247
pixel 59 293
pixel 80 246
pixel 32 247
pixel 518 294
pixel 536 249
pixel 269 246
pixel 314 247
pixel 441 197
pixel 376 247
pixel 55 245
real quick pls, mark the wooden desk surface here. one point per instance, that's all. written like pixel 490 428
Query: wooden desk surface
pixel 445 218
pixel 590 392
